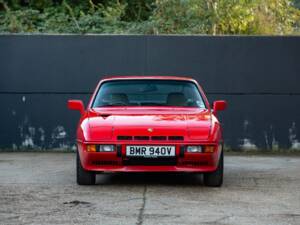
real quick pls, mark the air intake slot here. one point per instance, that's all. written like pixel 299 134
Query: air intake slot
pixel 141 138
pixel 159 138
pixel 171 161
pixel 124 137
pixel 175 138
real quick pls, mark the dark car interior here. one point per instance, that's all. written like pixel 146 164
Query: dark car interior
pixel 149 93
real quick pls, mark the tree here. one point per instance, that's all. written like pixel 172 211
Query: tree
pixel 269 17
pixel 225 16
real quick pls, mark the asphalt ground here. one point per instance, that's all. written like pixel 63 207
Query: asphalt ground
pixel 40 188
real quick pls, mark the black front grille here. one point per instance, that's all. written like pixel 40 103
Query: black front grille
pixel 140 161
pixel 147 138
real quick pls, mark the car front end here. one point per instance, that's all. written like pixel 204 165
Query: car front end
pixel 150 148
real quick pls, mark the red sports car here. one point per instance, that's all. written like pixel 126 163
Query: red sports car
pixel 149 124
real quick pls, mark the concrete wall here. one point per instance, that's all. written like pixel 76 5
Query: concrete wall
pixel 258 76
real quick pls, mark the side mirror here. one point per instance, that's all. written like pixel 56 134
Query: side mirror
pixel 219 105
pixel 76 105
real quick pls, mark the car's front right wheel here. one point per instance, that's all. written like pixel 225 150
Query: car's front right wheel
pixel 84 177
pixel 215 179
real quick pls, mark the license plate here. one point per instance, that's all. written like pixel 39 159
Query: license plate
pixel 150 151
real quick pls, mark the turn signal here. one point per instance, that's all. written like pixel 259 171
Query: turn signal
pixel 209 148
pixel 91 148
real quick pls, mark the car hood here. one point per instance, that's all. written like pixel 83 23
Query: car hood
pixel 109 123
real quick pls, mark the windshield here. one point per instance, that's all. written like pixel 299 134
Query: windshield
pixel 148 93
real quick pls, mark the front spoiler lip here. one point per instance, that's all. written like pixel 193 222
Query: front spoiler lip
pixel 151 169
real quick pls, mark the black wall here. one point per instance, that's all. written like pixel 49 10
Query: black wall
pixel 258 76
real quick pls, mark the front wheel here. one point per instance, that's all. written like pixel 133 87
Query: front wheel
pixel 215 179
pixel 84 177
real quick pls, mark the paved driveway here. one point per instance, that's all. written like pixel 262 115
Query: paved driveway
pixel 40 188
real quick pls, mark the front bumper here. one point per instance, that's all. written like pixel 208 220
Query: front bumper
pixel 118 161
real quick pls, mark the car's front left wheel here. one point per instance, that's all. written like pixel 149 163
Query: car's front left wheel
pixel 84 177
pixel 215 179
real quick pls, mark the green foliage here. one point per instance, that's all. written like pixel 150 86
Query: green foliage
pixel 225 17
pixel 64 19
pixel 137 10
pixel 40 4
pixel 297 3
pixel 276 17
pixel 150 16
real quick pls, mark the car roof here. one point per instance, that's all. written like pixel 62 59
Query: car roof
pixel 181 78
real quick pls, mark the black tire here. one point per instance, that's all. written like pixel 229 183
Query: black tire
pixel 84 177
pixel 215 179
